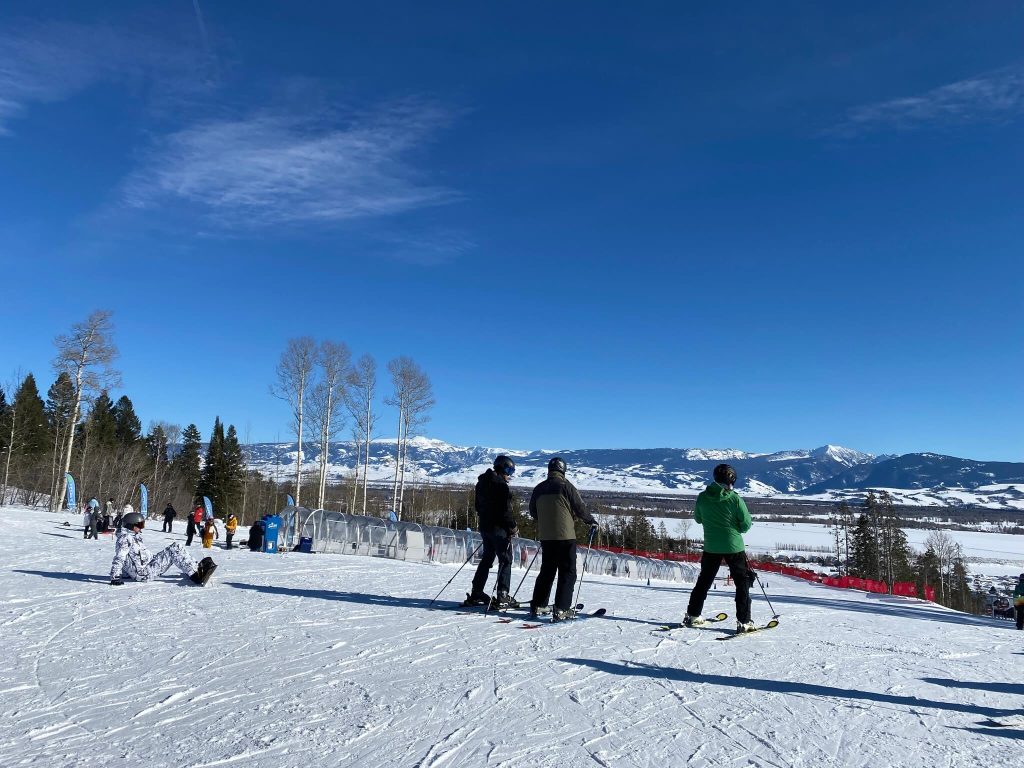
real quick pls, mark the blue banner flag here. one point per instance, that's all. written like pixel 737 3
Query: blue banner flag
pixel 72 502
pixel 144 499
pixel 290 500
pixel 209 507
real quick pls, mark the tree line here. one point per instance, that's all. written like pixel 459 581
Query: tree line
pixel 79 429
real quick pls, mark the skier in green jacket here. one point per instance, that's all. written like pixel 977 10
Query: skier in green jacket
pixel 1018 601
pixel 725 519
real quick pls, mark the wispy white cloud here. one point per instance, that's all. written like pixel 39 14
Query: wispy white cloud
pixel 991 97
pixel 43 63
pixel 273 169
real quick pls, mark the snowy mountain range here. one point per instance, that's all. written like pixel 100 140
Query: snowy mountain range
pixel 828 473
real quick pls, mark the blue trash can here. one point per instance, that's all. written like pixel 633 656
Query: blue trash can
pixel 305 544
pixel 272 526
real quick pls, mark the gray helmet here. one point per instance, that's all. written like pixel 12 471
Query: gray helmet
pixel 132 519
pixel 556 464
pixel 725 475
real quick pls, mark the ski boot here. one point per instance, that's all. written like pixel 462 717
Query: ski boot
pixel 539 610
pixel 475 599
pixel 694 621
pixel 745 626
pixel 560 614
pixel 501 601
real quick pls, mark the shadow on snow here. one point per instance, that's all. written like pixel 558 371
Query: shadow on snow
pixel 779 686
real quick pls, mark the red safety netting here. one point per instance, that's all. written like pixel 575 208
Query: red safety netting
pixel 902 588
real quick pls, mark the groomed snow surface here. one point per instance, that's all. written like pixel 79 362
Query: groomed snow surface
pixel 330 660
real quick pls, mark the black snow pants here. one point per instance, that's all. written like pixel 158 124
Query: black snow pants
pixel 496 544
pixel 1020 616
pixel 190 531
pixel 742 577
pixel 557 558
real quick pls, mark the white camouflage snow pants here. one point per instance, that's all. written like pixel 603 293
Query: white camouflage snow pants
pixel 173 554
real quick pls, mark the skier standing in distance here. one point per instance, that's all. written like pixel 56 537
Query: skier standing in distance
pixel 556 504
pixel 192 525
pixel 133 561
pixel 169 514
pixel 1018 601
pixel 497 525
pixel 725 519
pixel 230 525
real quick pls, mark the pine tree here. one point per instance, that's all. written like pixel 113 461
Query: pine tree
pixel 926 570
pixel 864 550
pixel 60 402
pixel 102 423
pixel 234 472
pixel 31 427
pixel 188 460
pixel 211 480
pixel 128 428
pixel 4 426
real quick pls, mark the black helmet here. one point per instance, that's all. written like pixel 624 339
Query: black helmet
pixel 556 464
pixel 132 519
pixel 725 475
pixel 503 465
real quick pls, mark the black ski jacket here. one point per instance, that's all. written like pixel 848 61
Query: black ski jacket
pixel 494 503
pixel 170 513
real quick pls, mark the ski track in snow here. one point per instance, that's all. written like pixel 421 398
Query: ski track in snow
pixel 330 660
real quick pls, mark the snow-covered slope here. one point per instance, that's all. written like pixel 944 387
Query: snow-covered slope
pixel 327 660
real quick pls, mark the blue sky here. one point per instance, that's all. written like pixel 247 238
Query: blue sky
pixel 593 224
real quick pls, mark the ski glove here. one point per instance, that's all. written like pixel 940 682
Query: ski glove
pixel 116 582
pixel 593 529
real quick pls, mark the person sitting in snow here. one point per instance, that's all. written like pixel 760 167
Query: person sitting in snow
pixel 133 561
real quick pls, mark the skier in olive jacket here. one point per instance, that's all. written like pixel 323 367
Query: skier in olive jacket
pixel 556 505
pixel 725 519
pixel 497 524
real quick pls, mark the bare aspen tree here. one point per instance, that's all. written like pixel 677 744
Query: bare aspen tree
pixel 419 399
pixel 362 386
pixel 85 355
pixel 294 379
pixel 356 438
pixel 942 544
pixel 328 401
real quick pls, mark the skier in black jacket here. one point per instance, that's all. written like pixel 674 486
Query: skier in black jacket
pixel 169 514
pixel 497 527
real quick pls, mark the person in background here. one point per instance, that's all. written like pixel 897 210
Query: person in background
pixel 192 526
pixel 95 516
pixel 230 525
pixel 127 509
pixel 210 532
pixel 169 514
pixel 556 505
pixel 1018 601
pixel 108 514
pixel 87 520
pixel 725 519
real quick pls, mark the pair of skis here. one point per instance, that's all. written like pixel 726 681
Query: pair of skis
pixel 714 620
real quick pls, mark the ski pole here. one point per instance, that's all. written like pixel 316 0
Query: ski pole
pixel 456 574
pixel 590 541
pixel 774 615
pixel 532 560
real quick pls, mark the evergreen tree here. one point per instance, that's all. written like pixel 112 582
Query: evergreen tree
pixel 31 427
pixel 60 402
pixel 4 426
pixel 128 427
pixel 926 570
pixel 187 461
pixel 102 423
pixel 864 550
pixel 213 476
pixel 234 472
